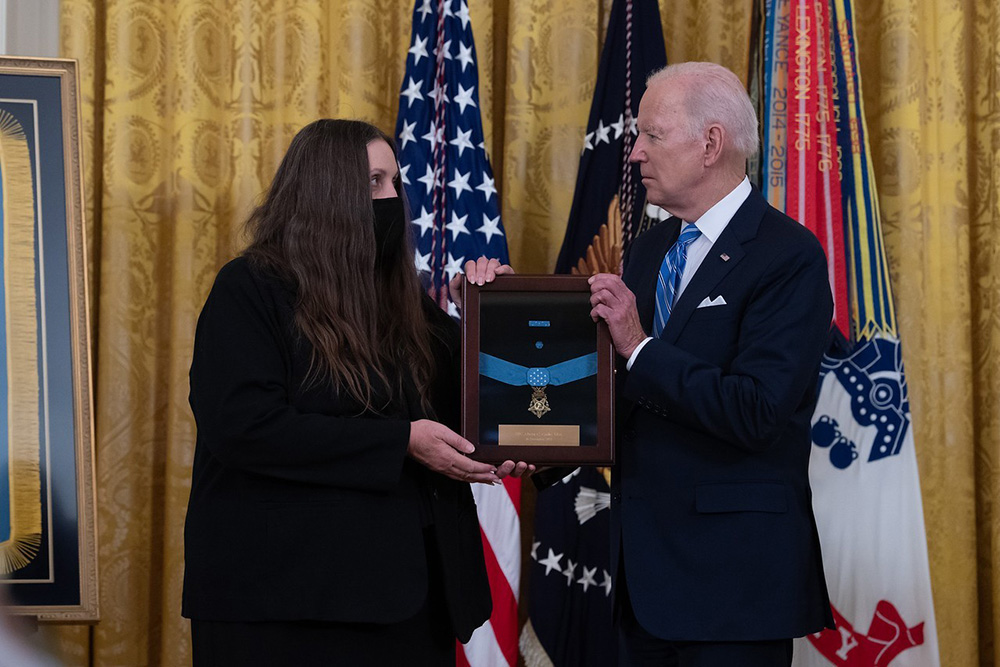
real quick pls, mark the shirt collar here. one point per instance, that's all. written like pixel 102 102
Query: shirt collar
pixel 715 219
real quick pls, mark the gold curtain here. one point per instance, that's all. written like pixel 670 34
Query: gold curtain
pixel 931 73
pixel 189 104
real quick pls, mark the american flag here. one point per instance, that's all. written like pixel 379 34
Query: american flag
pixel 456 217
pixel 442 155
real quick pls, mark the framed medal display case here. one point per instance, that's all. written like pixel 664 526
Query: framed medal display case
pixel 537 372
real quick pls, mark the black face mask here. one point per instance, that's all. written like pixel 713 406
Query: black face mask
pixel 389 227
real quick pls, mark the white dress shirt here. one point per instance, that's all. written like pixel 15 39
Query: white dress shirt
pixel 711 225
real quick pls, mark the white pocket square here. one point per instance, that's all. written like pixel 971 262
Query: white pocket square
pixel 708 303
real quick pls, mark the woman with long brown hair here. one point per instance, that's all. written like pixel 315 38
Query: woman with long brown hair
pixel 331 519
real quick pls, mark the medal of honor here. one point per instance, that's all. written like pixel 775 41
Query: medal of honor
pixel 539 404
pixel 538 378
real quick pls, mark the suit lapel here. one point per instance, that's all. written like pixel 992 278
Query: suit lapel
pixel 725 254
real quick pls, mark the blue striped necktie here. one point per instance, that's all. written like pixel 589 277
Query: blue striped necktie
pixel 669 280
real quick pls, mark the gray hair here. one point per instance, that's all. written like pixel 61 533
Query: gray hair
pixel 715 95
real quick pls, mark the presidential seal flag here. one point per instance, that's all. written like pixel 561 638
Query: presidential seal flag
pixel 570 573
pixel 455 212
pixel 609 192
pixel 863 468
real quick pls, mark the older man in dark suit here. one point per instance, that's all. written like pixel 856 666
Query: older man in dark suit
pixel 721 318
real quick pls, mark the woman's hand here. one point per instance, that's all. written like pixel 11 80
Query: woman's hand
pixel 442 450
pixel 479 272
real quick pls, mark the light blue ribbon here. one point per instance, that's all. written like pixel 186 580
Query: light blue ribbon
pixel 564 372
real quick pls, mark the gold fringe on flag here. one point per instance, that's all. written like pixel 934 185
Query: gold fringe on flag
pixel 531 648
pixel 20 310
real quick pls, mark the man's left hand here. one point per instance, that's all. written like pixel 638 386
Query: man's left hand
pixel 613 302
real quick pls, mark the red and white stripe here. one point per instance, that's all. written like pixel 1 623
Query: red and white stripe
pixel 495 643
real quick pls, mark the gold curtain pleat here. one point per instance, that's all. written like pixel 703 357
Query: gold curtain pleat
pixel 188 106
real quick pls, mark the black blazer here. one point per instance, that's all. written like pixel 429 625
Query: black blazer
pixel 302 506
pixel 711 499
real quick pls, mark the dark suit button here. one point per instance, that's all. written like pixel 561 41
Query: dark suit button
pixel 616 497
pixel 434 494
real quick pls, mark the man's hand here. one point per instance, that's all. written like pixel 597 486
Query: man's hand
pixel 442 450
pixel 613 302
pixel 479 272
pixel 519 469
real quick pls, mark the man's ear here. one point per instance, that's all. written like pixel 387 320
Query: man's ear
pixel 715 137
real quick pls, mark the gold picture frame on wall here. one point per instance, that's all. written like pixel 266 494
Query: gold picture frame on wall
pixel 48 532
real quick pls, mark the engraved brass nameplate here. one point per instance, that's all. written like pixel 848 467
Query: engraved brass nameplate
pixel 528 435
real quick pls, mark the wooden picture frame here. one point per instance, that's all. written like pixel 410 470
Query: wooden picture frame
pixel 537 372
pixel 48 532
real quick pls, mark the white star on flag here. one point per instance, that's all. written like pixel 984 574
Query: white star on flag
pixel 402 175
pixel 587 579
pixel 490 227
pixel 422 262
pixel 487 186
pixel 460 183
pixel 463 15
pixel 428 179
pixel 406 134
pixel 602 133
pixel 454 266
pixel 424 10
pixel 412 92
pixel 461 141
pixel 435 91
pixel 425 221
pixel 606 583
pixel 569 571
pixel 446 50
pixel 457 225
pixel 551 562
pixel 433 136
pixel 464 55
pixel 619 126
pixel 464 97
pixel 419 50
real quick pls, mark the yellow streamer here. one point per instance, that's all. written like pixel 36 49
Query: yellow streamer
pixel 22 349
